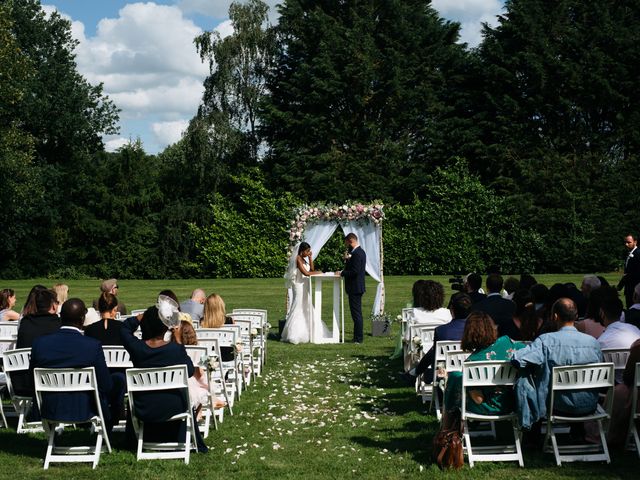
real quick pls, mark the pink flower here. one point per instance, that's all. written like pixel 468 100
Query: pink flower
pixel 359 208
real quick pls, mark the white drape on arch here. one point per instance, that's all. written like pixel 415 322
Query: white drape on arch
pixel 370 238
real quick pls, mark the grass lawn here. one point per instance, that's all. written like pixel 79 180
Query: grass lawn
pixel 319 411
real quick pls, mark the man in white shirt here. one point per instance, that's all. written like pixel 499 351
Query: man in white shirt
pixel 617 334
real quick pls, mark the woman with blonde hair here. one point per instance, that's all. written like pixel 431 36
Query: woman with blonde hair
pixel 214 312
pixel 62 291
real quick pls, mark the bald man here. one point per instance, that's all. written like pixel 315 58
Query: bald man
pixel 195 305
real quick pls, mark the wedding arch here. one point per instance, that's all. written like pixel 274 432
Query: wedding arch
pixel 316 224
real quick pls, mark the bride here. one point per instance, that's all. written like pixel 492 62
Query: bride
pixel 300 314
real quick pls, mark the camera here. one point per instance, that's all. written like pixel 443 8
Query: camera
pixel 457 283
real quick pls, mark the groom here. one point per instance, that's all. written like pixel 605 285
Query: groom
pixel 353 274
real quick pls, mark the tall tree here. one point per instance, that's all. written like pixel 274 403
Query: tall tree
pixel 560 121
pixel 64 117
pixel 357 97
pixel 21 188
pixel 238 64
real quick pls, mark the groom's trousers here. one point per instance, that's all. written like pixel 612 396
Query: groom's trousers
pixel 355 305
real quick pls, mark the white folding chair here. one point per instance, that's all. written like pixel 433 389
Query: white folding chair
pixel 258 338
pixel 15 361
pixel 441 347
pixel 220 387
pixel 197 353
pixel 425 335
pixel 453 360
pixel 153 380
pixel 594 376
pixel 245 327
pixel 137 312
pixel 9 329
pixel 226 338
pixel 617 356
pixel 70 380
pixel 478 375
pixel 264 327
pixel 116 357
pixel 635 416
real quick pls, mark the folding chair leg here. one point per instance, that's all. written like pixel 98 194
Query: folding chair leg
pixel 603 440
pixel 467 442
pixel 517 435
pixel 52 433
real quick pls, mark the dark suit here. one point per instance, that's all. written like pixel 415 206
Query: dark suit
pixel 32 327
pixel 476 297
pixel 68 348
pixel 631 275
pixel 353 274
pixel 449 331
pixel 501 311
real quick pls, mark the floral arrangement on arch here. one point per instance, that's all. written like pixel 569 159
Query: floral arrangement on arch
pixel 340 213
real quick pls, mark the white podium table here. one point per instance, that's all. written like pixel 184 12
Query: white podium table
pixel 336 326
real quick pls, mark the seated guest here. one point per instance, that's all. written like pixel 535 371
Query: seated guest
pixel 622 396
pixel 195 305
pixel 527 281
pixel 68 348
pixel 472 284
pixel 617 334
pixel 460 306
pixel 107 330
pixel 43 321
pixel 7 302
pixel 30 303
pixel 632 314
pixel 590 283
pixel 577 297
pixel 198 387
pixel 154 408
pixel 525 317
pixel 498 308
pixel 592 323
pixel 62 292
pixel 111 286
pixel 479 338
pixel 511 285
pixel 215 317
pixel 566 346
pixel 556 292
pixel 540 294
pixel 428 301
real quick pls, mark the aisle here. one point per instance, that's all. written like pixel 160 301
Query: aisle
pixel 343 413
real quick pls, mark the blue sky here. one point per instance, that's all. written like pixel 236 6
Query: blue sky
pixel 144 55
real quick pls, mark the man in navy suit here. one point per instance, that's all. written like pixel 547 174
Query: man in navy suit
pixel 69 348
pixel 499 309
pixel 353 274
pixel 631 276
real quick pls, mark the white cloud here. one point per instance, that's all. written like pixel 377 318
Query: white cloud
pixel 113 144
pixel 148 63
pixel 168 133
pixel 470 14
pixel 225 28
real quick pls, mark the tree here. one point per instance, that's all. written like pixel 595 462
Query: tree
pixel 238 64
pixel 21 187
pixel 560 124
pixel 357 98
pixel 58 120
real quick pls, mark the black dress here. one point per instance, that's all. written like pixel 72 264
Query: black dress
pixel 154 408
pixel 107 336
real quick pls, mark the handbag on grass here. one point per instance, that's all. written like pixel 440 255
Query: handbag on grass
pixel 447 444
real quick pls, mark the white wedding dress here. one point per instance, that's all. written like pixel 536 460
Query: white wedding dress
pixel 300 316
